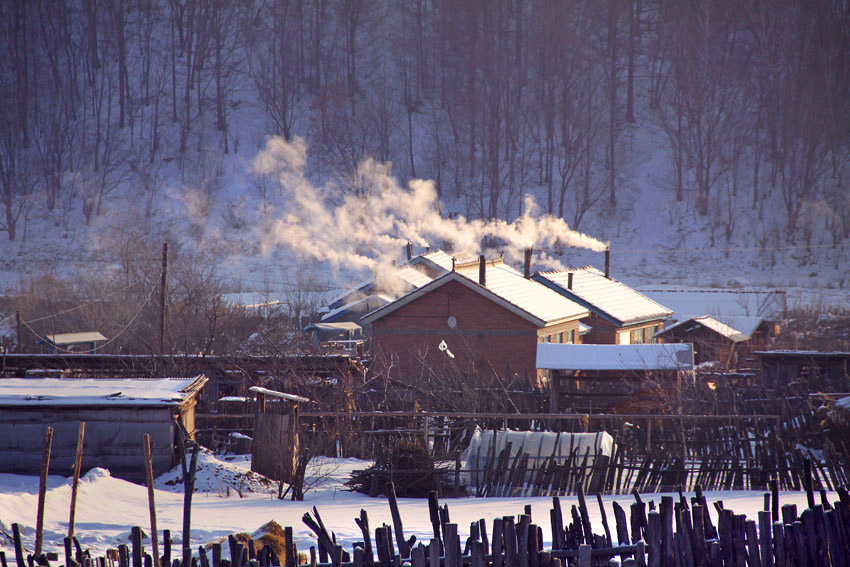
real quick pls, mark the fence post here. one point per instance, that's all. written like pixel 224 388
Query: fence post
pixel 584 559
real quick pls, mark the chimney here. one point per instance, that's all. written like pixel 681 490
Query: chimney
pixel 570 281
pixel 608 262
pixel 454 261
pixel 528 252
pixel 482 270
pixel 409 250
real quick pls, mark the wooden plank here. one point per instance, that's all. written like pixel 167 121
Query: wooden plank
pixel 622 525
pixel 42 488
pixel 779 545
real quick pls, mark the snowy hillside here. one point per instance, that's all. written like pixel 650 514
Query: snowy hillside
pixel 708 145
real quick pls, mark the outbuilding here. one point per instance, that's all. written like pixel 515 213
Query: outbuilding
pixel 117 414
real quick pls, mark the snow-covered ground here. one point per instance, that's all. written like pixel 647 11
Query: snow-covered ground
pixel 108 507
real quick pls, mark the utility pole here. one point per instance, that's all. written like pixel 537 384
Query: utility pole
pixel 162 293
pixel 18 321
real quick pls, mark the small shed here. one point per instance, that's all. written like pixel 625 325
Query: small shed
pixel 342 337
pixel 78 342
pixel 117 414
pixel 723 340
pixel 274 451
pixel 603 377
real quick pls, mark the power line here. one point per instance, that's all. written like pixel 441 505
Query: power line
pixel 110 341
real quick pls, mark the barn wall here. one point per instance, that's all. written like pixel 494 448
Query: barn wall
pixel 113 439
pixel 486 335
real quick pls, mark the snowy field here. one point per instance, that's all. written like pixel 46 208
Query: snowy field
pixel 108 507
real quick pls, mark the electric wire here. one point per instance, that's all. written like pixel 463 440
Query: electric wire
pixel 114 337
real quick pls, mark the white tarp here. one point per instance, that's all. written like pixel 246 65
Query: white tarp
pixel 538 445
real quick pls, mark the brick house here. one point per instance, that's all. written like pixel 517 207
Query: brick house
pixel 618 314
pixel 482 316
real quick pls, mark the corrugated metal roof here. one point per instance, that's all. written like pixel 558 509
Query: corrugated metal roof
pixel 622 304
pixel 35 392
pixel 554 356
pixel 75 338
pixel 709 322
pixel 529 295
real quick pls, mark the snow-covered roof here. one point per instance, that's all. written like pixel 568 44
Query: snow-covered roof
pixel 28 392
pixel 412 276
pixel 341 326
pixel 366 303
pixel 75 338
pixel 709 322
pixel 250 299
pixel 554 356
pixel 276 394
pixel 437 258
pixel 687 302
pixel 505 286
pixel 529 295
pixel 608 297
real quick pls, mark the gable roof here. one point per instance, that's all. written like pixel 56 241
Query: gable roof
pixel 673 356
pixel 711 323
pixel 611 299
pixel 505 287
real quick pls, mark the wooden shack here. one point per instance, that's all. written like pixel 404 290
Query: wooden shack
pixel 606 378
pixel 729 341
pixel 274 451
pixel 117 414
pixel 798 371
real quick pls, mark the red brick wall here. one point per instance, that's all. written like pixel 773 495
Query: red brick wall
pixel 486 336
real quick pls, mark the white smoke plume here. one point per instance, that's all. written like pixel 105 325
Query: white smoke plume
pixel 367 230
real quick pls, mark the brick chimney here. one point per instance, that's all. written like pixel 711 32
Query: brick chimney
pixel 528 252
pixel 608 262
pixel 482 270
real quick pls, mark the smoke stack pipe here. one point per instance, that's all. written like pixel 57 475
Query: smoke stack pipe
pixel 528 252
pixel 608 263
pixel 570 281
pixel 409 250
pixel 482 270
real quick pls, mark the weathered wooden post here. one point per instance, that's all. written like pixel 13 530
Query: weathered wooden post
pixel 42 488
pixel 146 442
pixel 78 463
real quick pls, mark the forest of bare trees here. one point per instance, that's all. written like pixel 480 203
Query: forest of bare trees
pixel 490 98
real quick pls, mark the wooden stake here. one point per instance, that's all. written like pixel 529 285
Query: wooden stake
pixel 146 442
pixel 188 489
pixel 42 488
pixel 78 463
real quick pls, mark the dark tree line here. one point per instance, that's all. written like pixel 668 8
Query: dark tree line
pixel 490 98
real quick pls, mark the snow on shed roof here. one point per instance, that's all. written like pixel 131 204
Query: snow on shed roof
pixel 340 326
pixel 554 356
pixel 75 338
pixel 28 392
pixel 610 298
pixel 710 323
pixel 276 394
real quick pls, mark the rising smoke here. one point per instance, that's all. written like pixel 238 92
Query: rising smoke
pixel 367 229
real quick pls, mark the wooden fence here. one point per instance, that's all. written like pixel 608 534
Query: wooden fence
pixel 675 533
pixel 652 453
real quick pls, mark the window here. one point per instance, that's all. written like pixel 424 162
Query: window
pixel 637 336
